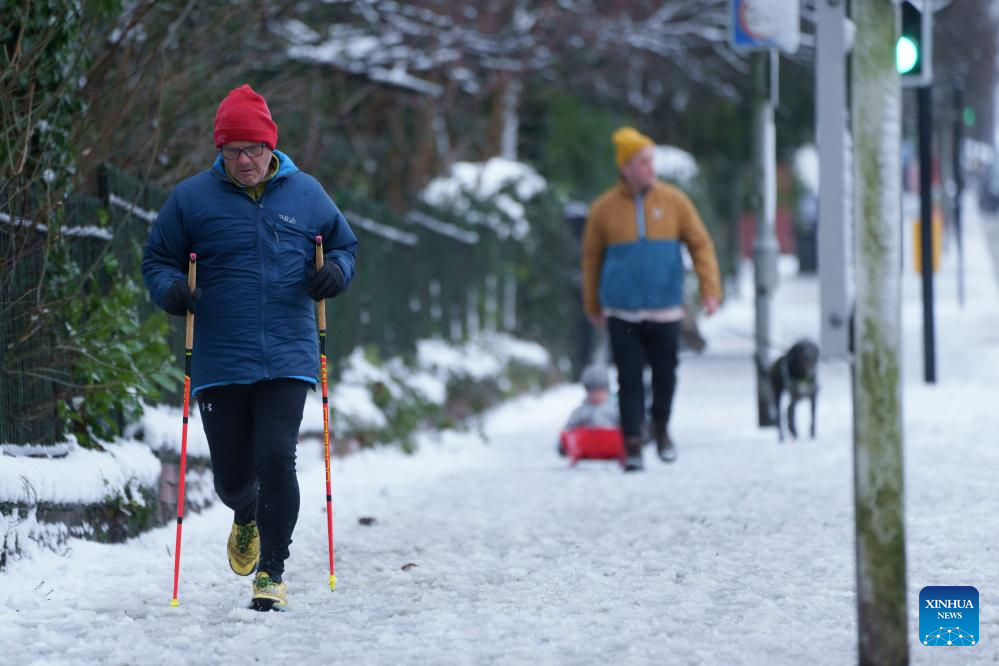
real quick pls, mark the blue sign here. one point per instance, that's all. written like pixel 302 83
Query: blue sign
pixel 764 24
pixel 948 616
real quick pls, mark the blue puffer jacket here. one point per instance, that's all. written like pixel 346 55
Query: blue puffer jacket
pixel 255 319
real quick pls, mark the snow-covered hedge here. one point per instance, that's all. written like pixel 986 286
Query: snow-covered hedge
pixel 48 493
pixel 388 402
pixel 77 475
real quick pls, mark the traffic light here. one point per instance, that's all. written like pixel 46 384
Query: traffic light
pixel 914 49
pixel 968 116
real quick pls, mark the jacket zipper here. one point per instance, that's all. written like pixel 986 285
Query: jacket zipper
pixel 263 287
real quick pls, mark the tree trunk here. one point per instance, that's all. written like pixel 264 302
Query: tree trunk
pixel 505 121
pixel 878 471
pixel 511 118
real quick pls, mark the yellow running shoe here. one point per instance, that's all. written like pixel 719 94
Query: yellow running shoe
pixel 268 594
pixel 243 548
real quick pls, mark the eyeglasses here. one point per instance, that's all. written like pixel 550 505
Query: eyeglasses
pixel 232 154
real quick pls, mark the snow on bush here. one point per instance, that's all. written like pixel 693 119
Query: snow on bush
pixel 368 397
pixel 351 407
pixel 82 476
pixel 427 385
pixel 160 429
pixel 492 182
pixel 360 371
pixel 673 164
pixel 23 536
pixel 481 358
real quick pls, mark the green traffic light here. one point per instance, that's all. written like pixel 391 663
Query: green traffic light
pixel 906 55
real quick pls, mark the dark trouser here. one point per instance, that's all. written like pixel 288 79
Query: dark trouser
pixel 633 345
pixel 252 433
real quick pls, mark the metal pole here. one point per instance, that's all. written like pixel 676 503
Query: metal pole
pixel 834 208
pixel 765 248
pixel 923 96
pixel 958 185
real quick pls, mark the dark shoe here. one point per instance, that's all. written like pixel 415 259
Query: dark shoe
pixel 664 445
pixel 634 464
pixel 633 454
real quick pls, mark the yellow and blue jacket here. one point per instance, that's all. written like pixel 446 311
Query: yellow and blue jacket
pixel 631 250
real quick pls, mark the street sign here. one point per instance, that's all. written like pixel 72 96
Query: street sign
pixel 757 25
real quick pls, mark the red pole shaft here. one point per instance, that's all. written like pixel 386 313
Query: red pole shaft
pixel 188 346
pixel 321 319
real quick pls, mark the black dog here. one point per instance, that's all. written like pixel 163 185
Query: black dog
pixel 795 373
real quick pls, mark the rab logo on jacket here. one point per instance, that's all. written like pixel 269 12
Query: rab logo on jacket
pixel 287 218
pixel 948 616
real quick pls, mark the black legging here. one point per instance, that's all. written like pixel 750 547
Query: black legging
pixel 252 433
pixel 633 345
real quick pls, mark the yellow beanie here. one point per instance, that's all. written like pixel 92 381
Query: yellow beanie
pixel 628 141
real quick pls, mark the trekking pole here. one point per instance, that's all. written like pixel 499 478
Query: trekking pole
pixel 188 345
pixel 321 319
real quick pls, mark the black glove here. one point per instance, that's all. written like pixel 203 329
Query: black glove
pixel 327 282
pixel 179 299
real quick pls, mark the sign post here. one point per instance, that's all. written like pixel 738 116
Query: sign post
pixel 765 25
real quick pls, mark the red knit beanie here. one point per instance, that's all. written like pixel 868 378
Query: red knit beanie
pixel 243 116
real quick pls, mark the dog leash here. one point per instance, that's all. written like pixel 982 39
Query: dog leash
pixel 752 338
pixel 780 350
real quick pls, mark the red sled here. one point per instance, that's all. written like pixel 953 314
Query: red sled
pixel 592 444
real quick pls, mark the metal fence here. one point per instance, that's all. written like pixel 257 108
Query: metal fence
pixel 26 404
pixel 421 274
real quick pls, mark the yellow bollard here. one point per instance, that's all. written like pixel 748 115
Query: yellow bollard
pixel 917 242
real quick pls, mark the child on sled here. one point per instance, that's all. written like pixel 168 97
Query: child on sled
pixel 593 428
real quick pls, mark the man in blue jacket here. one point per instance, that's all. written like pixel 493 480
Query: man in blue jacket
pixel 633 283
pixel 252 219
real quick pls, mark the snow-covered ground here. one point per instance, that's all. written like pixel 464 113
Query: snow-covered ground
pixel 740 553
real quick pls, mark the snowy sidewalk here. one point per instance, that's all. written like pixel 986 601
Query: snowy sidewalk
pixel 740 553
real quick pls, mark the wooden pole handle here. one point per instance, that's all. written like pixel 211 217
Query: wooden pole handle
pixel 321 305
pixel 192 270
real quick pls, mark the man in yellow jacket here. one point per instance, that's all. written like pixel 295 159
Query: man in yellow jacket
pixel 633 282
